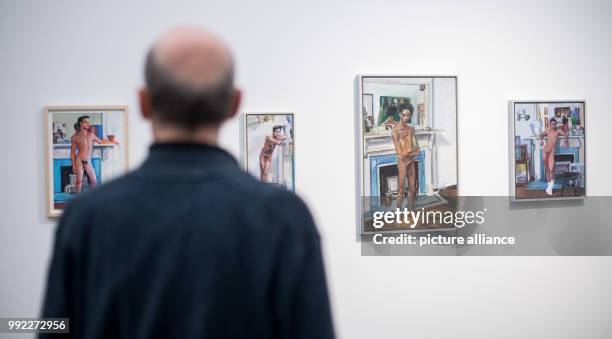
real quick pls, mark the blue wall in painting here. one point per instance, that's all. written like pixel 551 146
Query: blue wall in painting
pixel 377 160
pixel 575 151
pixel 57 172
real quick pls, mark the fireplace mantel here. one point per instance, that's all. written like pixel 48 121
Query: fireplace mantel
pixel 381 144
pixel 388 133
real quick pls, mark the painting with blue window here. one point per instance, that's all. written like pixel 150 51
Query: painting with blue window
pixel 85 146
pixel 548 159
pixel 408 148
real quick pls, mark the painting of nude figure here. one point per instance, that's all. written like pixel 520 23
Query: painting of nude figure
pixel 408 157
pixel 269 148
pixel 85 147
pixel 547 155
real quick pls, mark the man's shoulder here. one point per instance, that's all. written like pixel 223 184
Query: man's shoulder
pixel 262 193
pixel 284 204
pixel 263 206
pixel 237 183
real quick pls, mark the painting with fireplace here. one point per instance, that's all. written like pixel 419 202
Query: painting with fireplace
pixel 548 150
pixel 408 147
pixel 85 147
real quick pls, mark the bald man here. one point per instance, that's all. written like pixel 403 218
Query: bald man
pixel 188 245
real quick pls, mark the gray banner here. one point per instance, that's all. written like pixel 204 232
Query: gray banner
pixel 561 227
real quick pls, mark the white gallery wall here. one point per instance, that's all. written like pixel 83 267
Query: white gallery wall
pixel 303 57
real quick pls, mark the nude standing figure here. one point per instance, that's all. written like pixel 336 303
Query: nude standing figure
pixel 81 151
pixel 265 157
pixel 407 148
pixel 548 152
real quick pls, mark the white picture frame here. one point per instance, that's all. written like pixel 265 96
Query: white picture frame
pixel 256 127
pixel 533 190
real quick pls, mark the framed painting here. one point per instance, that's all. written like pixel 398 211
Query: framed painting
pixel 408 158
pixel 85 146
pixel 550 137
pixel 269 148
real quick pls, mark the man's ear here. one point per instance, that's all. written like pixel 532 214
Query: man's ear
pixel 145 103
pixel 237 98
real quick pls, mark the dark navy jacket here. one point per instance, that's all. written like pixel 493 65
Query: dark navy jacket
pixel 188 246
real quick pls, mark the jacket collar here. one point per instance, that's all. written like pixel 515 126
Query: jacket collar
pixel 187 156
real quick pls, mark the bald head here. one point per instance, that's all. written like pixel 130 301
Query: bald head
pixel 193 56
pixel 189 76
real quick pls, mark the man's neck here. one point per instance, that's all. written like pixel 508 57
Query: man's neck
pixel 207 135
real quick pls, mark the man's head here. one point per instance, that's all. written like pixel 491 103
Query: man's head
pixel 405 113
pixel 276 131
pixel 189 77
pixel 564 121
pixel 83 122
pixel 553 123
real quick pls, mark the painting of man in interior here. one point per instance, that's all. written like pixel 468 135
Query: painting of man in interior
pixel 85 154
pixel 269 148
pixel 549 156
pixel 409 156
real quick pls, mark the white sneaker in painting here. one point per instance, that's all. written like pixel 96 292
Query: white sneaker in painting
pixel 549 187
